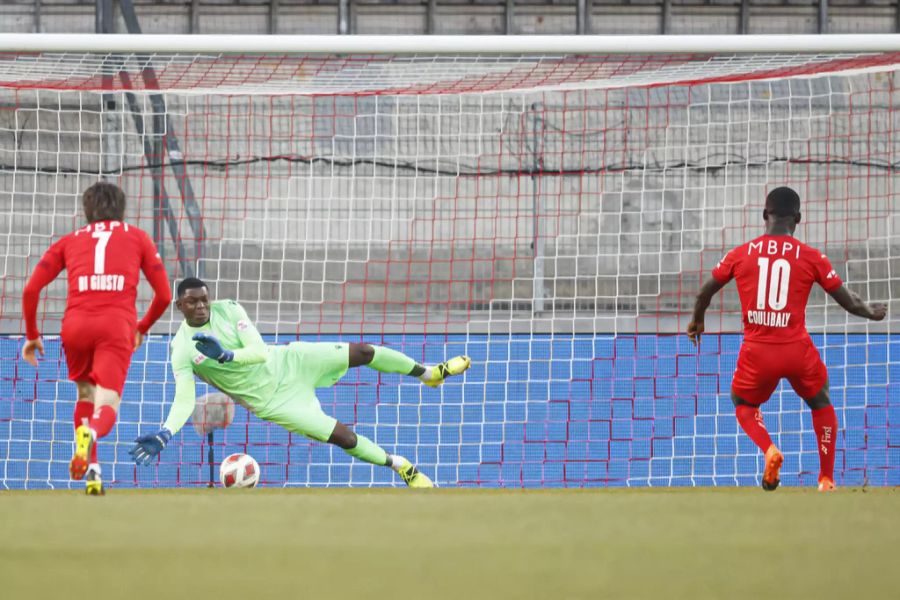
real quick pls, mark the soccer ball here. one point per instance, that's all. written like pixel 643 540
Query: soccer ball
pixel 239 471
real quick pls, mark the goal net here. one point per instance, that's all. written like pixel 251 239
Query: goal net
pixel 551 214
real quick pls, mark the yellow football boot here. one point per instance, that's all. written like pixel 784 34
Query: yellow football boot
pixel 79 464
pixel 411 476
pixel 93 485
pixel 455 366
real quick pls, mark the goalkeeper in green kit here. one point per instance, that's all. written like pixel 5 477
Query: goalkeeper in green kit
pixel 219 344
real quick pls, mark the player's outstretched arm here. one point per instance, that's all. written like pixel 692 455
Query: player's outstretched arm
pixel 853 304
pixel 148 446
pixel 704 297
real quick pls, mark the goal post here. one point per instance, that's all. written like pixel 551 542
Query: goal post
pixel 547 205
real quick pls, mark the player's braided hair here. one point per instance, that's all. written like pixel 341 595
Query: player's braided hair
pixel 103 201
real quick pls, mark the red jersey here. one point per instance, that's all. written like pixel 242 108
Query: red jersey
pixel 774 275
pixel 103 260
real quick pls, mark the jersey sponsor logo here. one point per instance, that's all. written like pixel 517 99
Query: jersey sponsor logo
pixel 767 318
pixel 243 325
pixel 774 248
pixel 101 283
pixel 199 359
pixel 101 226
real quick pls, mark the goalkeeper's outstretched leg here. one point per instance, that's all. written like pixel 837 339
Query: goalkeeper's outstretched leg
pixel 387 360
pixel 384 360
pixel 361 447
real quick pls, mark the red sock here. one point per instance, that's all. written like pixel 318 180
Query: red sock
pixel 83 411
pixel 751 421
pixel 103 420
pixel 825 425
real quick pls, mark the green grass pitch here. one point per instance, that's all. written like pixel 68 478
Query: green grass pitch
pixel 460 544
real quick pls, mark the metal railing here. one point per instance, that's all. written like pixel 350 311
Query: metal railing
pixel 580 15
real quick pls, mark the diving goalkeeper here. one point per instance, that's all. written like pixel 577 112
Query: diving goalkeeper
pixel 219 344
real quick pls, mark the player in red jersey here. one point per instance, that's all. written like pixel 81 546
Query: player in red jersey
pixel 774 274
pixel 100 331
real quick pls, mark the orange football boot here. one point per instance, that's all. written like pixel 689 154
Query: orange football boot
pixel 774 459
pixel 826 484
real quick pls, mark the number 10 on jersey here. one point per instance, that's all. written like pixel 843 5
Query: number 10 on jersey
pixel 773 286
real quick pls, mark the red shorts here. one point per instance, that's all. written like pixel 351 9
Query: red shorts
pixel 99 349
pixel 761 366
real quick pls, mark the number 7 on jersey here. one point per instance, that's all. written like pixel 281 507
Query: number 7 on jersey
pixel 102 238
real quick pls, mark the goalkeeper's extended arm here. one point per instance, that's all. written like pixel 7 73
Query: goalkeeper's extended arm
pixel 148 446
pixel 183 404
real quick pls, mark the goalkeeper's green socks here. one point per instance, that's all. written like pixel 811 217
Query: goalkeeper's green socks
pixel 391 361
pixel 368 451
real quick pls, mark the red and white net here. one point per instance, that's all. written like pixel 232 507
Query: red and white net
pixel 412 74
pixel 550 216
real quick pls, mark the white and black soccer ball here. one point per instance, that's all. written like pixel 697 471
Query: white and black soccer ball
pixel 239 471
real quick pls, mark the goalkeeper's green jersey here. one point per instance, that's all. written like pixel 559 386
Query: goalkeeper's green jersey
pixel 251 378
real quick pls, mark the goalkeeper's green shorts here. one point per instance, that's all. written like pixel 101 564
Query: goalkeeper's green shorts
pixel 305 366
